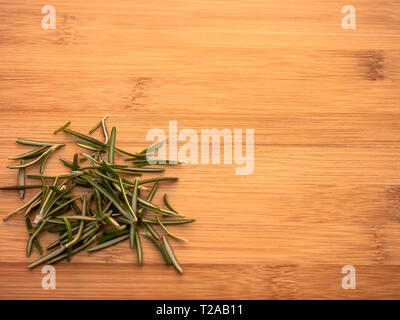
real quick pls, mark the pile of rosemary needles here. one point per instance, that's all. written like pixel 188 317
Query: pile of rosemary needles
pixel 111 204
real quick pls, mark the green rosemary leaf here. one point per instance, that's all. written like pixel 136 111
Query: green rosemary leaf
pixel 85 137
pixel 35 186
pixel 88 235
pixel 135 195
pixel 75 250
pixel 126 200
pixel 153 148
pixel 139 251
pixel 153 191
pixel 21 181
pixel 167 258
pixel 37 176
pixel 158 179
pixel 88 147
pixel 45 158
pixel 136 169
pixel 44 154
pixel 30 232
pixel 114 223
pixel 62 127
pixel 111 236
pixel 66 163
pixel 124 181
pixel 30 154
pixel 123 220
pixel 149 198
pixel 47 257
pixel 83 218
pixel 91 160
pixel 159 247
pixel 152 231
pixel 133 173
pixel 108 169
pixel 69 232
pixel 72 174
pixel 111 145
pixel 38 246
pixel 36 143
pixel 27 204
pixel 31 207
pixel 171 254
pixel 109 243
pixel 63 234
pixel 132 231
pixel 79 233
pixel 167 231
pixel 75 162
pixel 151 207
pixel 105 131
pixel 125 152
pixel 165 198
pixel 170 222
pixel 98 124
pixel 33 236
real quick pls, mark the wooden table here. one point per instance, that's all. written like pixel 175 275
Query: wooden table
pixel 324 104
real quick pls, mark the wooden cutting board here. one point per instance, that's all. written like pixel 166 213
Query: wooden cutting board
pixel 324 104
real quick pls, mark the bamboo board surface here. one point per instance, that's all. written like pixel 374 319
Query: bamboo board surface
pixel 324 104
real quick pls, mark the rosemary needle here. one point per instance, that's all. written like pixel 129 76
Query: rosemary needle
pixel 59 257
pixel 31 231
pixel 33 236
pixel 126 200
pixel 107 237
pixel 132 235
pixel 109 243
pixel 35 186
pixel 171 254
pixel 158 179
pixel 78 234
pixel 45 158
pixel 165 198
pixel 152 231
pixel 139 251
pixel 62 127
pixel 27 204
pixel 105 131
pixel 165 254
pixel 166 230
pixel 30 154
pixel 135 195
pixel 149 198
pixel 98 124
pixel 159 247
pixel 170 222
pixel 21 181
pixel 43 155
pixel 35 143
pixel 111 147
pixel 47 257
pixel 87 147
pixel 75 162
pixel 84 137
pixel 69 232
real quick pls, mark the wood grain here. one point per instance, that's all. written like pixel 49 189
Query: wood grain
pixel 324 104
